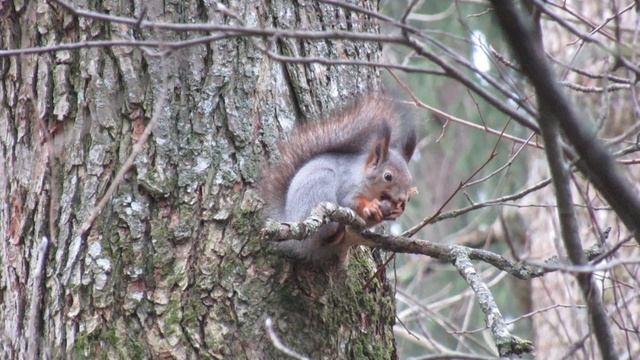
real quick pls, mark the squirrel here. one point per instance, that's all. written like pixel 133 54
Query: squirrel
pixel 356 158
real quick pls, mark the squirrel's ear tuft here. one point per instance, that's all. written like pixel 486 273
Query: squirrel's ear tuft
pixel 379 151
pixel 409 145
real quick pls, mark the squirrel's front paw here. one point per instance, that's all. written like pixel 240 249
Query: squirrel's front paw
pixel 371 212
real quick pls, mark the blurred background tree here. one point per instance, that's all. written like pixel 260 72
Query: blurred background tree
pixel 433 300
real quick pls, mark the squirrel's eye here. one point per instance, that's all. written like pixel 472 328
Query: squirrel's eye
pixel 388 176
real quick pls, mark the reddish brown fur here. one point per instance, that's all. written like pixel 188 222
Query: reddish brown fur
pixel 345 131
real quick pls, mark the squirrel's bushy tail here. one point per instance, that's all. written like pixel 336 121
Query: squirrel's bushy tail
pixel 346 131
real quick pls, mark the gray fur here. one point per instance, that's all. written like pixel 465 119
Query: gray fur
pixel 357 158
pixel 328 177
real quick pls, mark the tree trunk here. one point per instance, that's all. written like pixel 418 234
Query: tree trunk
pixel 172 267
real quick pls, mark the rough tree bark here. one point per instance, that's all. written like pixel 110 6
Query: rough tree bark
pixel 172 268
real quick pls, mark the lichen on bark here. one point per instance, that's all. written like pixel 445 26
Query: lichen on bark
pixel 173 266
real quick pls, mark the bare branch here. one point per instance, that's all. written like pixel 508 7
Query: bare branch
pixel 417 102
pixel 507 343
pixel 595 161
pixel 498 201
pixel 459 256
pixel 327 212
pixel 594 89
pixel 586 269
pixel 583 36
pixel 241 30
pixel 554 110
pixel 322 214
pixel 161 45
pixel 460 77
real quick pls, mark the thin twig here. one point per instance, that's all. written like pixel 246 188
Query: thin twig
pixel 583 36
pixel 595 161
pixel 554 111
pixel 455 119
